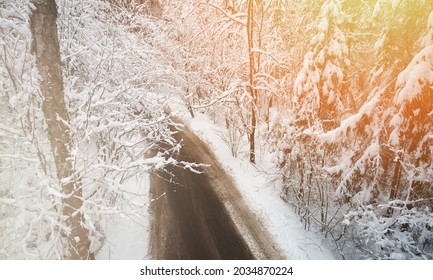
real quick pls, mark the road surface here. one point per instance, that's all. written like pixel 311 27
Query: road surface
pixel 190 217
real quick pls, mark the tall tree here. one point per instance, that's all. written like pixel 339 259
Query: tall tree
pixel 46 48
pixel 320 85
pixel 253 71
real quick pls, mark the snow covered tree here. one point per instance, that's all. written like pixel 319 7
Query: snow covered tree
pixel 395 119
pixel 116 94
pixel 402 22
pixel 411 125
pixel 47 52
pixel 360 31
pixel 322 99
pixel 23 165
pixel 320 86
pixel 405 215
pixel 217 75
pixel 368 172
pixel 103 111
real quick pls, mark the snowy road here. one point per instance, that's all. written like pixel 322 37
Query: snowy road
pixel 192 221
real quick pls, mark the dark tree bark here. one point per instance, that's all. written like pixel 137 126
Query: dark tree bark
pixel 46 49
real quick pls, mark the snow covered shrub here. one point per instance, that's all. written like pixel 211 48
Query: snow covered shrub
pixel 407 234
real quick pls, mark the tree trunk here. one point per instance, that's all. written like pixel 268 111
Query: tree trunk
pixel 253 93
pixel 268 113
pixel 394 185
pixel 47 52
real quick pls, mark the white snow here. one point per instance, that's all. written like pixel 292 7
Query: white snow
pixel 370 152
pixel 323 25
pixel 336 48
pixel 127 231
pixel 376 9
pixel 417 75
pixel 430 21
pixel 350 122
pixel 395 4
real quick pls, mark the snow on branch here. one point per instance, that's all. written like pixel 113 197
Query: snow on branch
pixel 349 123
pixel 223 97
pixel 234 17
pixel 19 157
pixel 417 75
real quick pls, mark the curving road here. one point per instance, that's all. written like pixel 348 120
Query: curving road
pixel 190 217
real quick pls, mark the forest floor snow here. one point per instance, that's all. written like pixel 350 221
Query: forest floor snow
pixel 127 231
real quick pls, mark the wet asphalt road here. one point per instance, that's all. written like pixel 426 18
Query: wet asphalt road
pixel 189 220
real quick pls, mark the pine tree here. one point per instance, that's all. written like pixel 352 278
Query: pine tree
pixel 320 85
